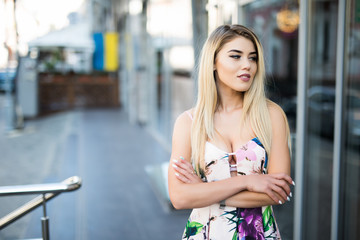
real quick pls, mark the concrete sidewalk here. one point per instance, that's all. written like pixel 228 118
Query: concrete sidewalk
pixel 118 199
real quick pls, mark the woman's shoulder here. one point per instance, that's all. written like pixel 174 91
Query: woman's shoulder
pixel 277 114
pixel 185 118
pixel 182 127
pixel 186 115
pixel 274 108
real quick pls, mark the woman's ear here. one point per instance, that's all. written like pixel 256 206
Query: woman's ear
pixel 215 74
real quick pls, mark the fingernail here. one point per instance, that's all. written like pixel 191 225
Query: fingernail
pixel 176 174
pixel 293 183
pixel 280 202
pixel 175 166
pixel 290 194
pixel 182 158
pixel 288 199
pixel 174 160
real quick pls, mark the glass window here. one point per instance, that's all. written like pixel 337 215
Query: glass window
pixel 319 142
pixel 350 209
pixel 169 24
pixel 276 25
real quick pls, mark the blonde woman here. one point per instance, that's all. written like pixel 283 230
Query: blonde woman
pixel 230 156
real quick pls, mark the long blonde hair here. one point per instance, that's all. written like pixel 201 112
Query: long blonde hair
pixel 255 109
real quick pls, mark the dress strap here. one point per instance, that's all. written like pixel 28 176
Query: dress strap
pixel 189 114
pixel 233 168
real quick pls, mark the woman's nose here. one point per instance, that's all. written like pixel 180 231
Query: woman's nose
pixel 245 63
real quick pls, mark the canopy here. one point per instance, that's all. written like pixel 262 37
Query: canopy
pixel 74 36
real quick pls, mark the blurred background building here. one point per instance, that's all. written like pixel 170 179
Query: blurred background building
pixel 142 55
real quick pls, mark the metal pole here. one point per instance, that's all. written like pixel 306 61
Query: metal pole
pixel 45 228
pixel 45 222
pixel 301 120
pixel 339 119
pixel 200 31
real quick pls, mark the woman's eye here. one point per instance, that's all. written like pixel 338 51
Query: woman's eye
pixel 254 59
pixel 235 56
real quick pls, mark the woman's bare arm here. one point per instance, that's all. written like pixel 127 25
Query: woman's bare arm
pixel 246 198
pixel 200 194
pixel 183 195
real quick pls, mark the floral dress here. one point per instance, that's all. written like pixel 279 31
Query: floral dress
pixel 218 222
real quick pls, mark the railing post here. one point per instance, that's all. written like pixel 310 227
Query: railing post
pixel 45 228
pixel 45 222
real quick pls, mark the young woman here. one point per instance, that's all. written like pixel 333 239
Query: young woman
pixel 230 156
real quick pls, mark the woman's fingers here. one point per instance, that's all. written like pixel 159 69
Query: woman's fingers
pixel 285 177
pixel 182 167
pixel 284 187
pixel 276 193
pixel 187 165
pixel 273 196
pixel 284 181
pixel 179 169
pixel 182 177
pixel 276 186
pixel 185 169
pixel 281 194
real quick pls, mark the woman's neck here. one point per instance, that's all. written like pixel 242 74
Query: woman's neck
pixel 230 101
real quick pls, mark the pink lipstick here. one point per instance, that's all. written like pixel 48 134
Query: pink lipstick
pixel 244 77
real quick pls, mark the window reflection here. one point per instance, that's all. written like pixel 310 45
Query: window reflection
pixel 350 207
pixel 320 116
pixel 280 43
pixel 321 110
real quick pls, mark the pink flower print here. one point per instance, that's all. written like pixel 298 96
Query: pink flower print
pixel 246 152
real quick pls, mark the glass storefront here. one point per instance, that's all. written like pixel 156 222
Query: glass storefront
pixel 350 204
pixel 276 25
pixel 281 48
pixel 318 162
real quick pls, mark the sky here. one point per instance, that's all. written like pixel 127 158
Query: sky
pixel 35 18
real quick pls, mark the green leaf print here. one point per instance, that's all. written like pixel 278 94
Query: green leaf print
pixel 192 228
pixel 235 235
pixel 268 219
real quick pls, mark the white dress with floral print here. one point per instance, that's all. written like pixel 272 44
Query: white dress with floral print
pixel 217 222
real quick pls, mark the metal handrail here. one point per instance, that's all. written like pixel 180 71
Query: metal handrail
pixel 47 191
pixel 67 185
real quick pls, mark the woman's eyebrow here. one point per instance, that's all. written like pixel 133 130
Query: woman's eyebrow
pixel 234 50
pixel 238 51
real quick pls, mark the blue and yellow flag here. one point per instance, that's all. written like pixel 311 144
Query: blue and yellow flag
pixel 106 51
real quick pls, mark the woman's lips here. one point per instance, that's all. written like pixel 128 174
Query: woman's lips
pixel 244 77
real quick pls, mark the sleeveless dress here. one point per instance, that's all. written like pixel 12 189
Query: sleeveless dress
pixel 218 222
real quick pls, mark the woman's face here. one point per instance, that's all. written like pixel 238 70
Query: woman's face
pixel 236 64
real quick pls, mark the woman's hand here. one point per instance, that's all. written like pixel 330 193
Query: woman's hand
pixel 184 171
pixel 276 186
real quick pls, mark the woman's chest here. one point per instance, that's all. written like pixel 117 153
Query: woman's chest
pixel 250 158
